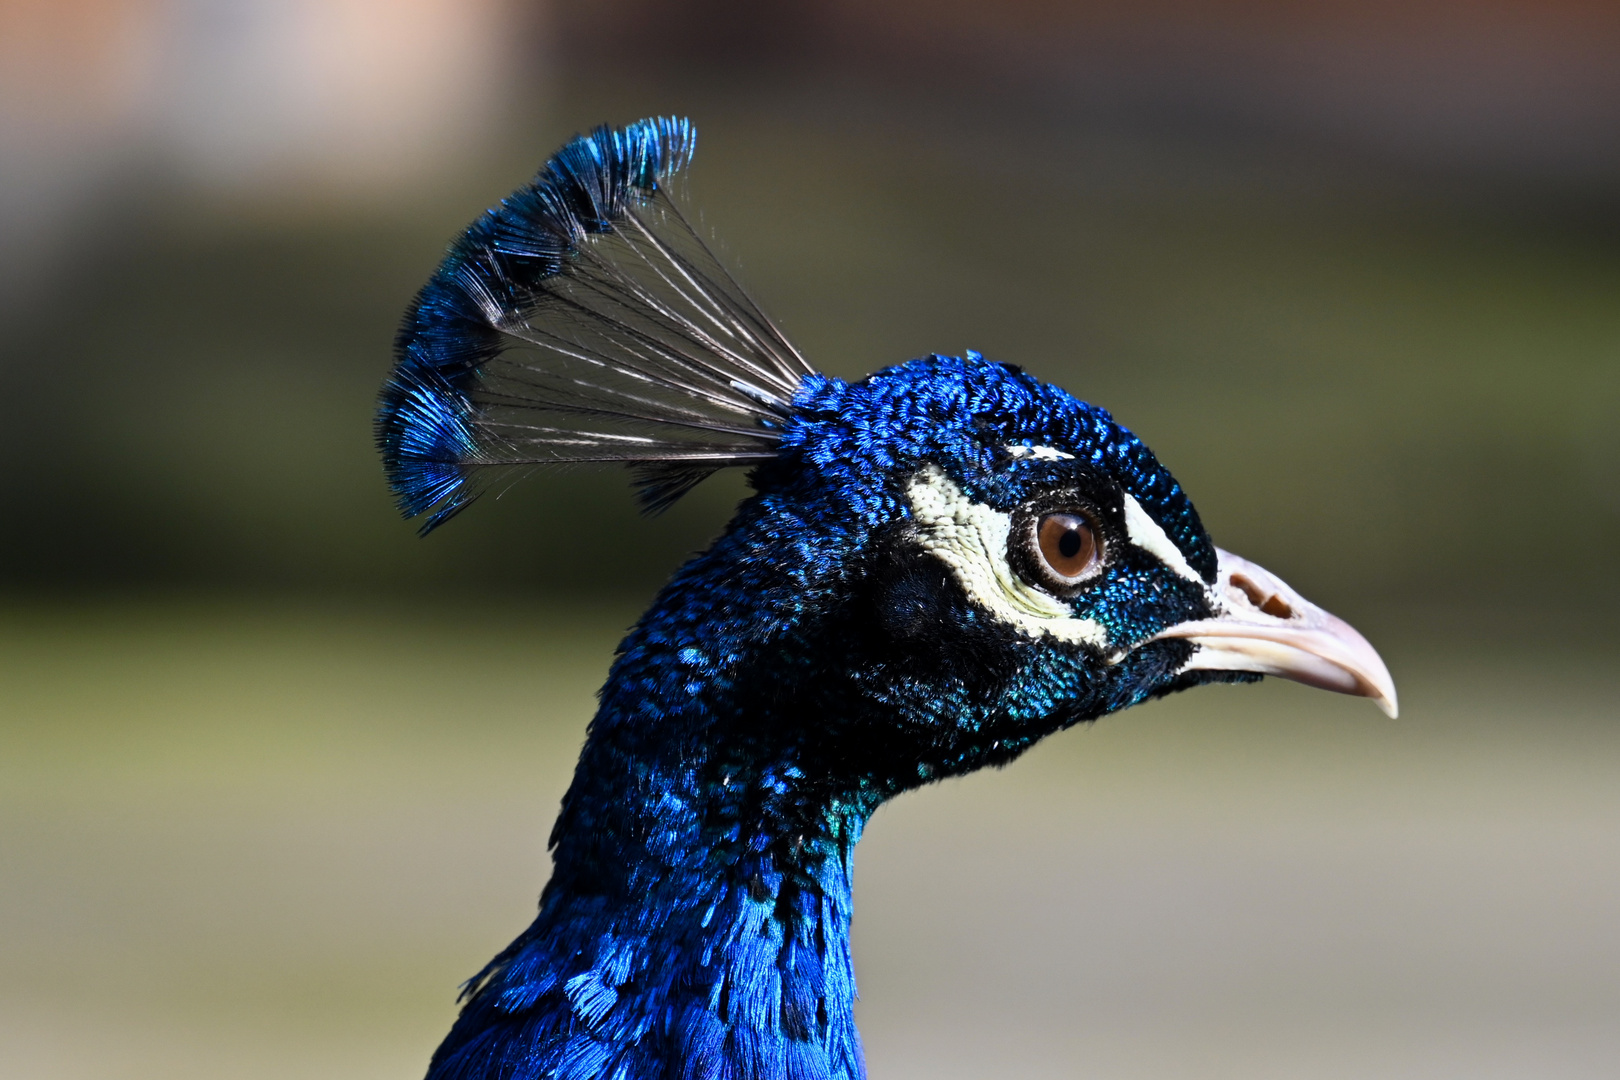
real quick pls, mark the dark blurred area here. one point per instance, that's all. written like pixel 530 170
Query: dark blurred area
pixel 1351 270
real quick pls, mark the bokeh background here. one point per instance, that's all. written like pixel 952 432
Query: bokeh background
pixel 275 775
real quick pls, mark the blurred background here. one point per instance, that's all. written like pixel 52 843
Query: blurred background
pixel 275 775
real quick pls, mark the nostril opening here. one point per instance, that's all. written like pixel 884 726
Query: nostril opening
pixel 1245 584
pixel 1268 602
pixel 1277 607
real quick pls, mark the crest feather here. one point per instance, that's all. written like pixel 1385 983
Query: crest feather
pixel 584 319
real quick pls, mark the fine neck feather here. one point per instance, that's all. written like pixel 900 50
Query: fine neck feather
pixel 700 901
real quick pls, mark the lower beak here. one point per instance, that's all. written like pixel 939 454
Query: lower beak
pixel 1266 627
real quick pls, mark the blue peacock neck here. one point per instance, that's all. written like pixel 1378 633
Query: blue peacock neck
pixel 697 918
pixel 709 896
pixel 708 840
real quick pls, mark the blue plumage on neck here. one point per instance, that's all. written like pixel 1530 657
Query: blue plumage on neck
pixel 700 902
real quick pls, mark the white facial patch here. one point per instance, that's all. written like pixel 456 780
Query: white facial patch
pixel 1147 534
pixel 971 538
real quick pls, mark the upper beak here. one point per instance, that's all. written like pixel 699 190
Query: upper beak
pixel 1263 625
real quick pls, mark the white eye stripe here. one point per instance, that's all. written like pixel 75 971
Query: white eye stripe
pixel 1143 531
pixel 971 538
pixel 1148 535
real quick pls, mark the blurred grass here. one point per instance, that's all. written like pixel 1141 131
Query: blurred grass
pixel 262 840
pixel 267 839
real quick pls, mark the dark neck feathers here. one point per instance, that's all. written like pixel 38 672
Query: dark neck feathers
pixel 697 918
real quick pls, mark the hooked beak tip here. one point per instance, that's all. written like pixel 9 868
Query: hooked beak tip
pixel 1264 626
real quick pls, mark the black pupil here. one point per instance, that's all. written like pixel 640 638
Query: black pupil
pixel 1069 543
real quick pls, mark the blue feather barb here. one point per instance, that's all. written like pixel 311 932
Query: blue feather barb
pixel 584 319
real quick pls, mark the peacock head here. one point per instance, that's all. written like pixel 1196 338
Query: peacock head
pixel 950 553
pixel 981 559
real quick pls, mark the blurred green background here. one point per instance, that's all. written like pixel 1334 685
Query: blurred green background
pixel 275 774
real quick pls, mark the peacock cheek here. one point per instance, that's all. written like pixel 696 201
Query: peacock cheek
pixel 913 606
pixel 919 620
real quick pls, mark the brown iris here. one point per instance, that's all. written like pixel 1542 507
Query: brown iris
pixel 1068 545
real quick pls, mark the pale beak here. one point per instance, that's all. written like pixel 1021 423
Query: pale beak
pixel 1264 626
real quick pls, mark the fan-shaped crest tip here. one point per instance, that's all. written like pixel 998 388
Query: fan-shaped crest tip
pixel 584 319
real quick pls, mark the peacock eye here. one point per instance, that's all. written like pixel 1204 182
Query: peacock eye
pixel 1069 551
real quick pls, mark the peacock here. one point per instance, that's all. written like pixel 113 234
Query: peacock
pixel 939 565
